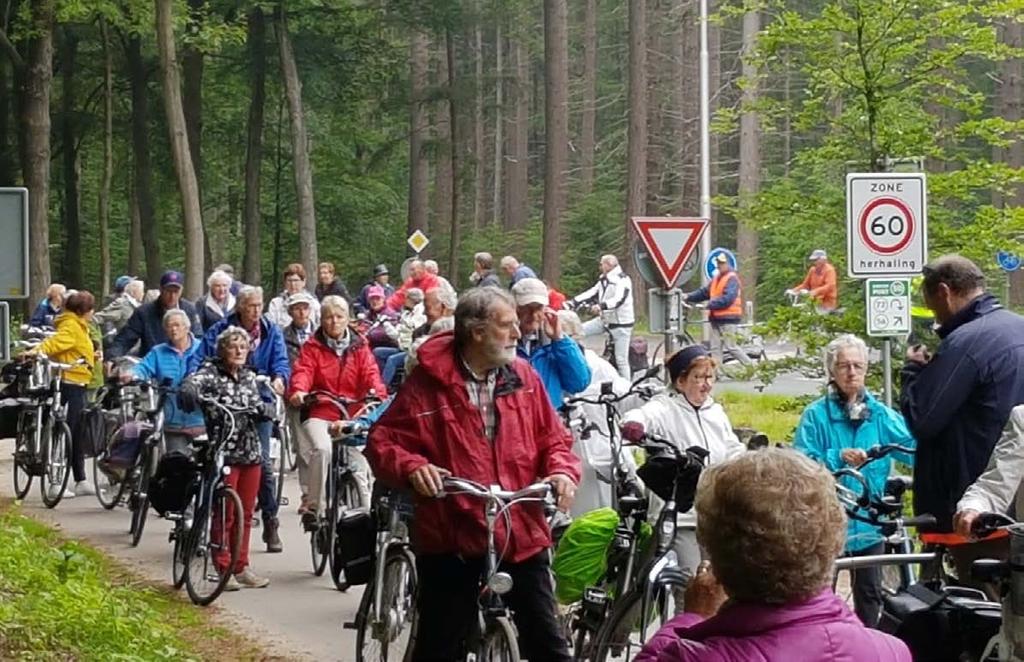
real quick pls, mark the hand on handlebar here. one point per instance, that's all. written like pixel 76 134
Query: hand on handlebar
pixel 298 399
pixel 964 521
pixel 565 490
pixel 427 480
pixel 277 385
pixel 853 456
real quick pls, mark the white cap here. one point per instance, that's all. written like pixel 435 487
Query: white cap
pixel 530 290
pixel 300 297
pixel 818 254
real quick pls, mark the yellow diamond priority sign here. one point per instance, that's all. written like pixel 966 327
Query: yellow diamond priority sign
pixel 417 241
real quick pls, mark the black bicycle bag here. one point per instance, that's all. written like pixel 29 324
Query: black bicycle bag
pixel 177 475
pixel 354 545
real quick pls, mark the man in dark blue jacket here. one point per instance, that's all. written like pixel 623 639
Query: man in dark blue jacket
pixel 146 325
pixel 957 401
pixel 269 357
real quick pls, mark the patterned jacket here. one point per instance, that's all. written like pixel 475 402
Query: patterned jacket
pixel 238 392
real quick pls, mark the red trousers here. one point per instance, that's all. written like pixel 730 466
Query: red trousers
pixel 244 479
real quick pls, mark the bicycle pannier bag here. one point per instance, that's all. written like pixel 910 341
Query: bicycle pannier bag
pixel 91 430
pixel 638 354
pixel 354 545
pixel 172 484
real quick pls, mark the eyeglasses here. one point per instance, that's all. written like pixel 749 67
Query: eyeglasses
pixel 851 366
pixel 710 377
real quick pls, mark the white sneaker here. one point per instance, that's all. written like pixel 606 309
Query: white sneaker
pixel 55 490
pixel 84 488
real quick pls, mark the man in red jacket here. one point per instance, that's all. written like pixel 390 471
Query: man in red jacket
pixel 472 409
pixel 336 360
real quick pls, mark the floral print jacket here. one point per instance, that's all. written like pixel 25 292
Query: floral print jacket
pixel 239 393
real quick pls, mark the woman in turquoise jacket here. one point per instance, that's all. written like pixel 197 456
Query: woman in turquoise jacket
pixel 838 430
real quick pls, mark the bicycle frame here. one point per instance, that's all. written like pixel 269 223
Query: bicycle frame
pixel 391 536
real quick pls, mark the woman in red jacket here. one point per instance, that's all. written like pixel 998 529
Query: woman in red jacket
pixel 339 361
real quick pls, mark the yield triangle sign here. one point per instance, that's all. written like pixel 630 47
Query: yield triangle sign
pixel 670 241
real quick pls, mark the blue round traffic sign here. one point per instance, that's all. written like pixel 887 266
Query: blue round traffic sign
pixel 1008 261
pixel 709 264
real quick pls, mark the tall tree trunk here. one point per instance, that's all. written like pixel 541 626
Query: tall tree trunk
pixel 636 173
pixel 419 62
pixel 750 156
pixel 479 160
pixel 443 139
pixel 300 148
pixel 71 267
pixel 454 237
pixel 252 270
pixel 659 76
pixel 187 186
pixel 35 120
pixel 715 87
pixel 588 111
pixel 103 213
pixel 143 170
pixel 517 191
pixel 135 250
pixel 192 101
pixel 1010 106
pixel 499 126
pixel 556 133
pixel 685 85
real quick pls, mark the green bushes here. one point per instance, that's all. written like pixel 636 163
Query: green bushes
pixel 63 600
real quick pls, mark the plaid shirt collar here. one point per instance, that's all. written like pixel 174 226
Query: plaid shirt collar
pixel 480 389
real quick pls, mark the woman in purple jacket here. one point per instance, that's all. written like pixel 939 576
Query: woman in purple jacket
pixel 772 527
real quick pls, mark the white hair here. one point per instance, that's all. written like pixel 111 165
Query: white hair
pixel 431 266
pixel 446 296
pixel 610 260
pixel 509 261
pixel 219 276
pixel 136 286
pixel 248 292
pixel 333 302
pixel 176 312
pixel 845 341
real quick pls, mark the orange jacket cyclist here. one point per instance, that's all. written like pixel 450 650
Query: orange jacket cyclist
pixel 724 295
pixel 820 282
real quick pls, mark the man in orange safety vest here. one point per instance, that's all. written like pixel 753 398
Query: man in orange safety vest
pixel 725 310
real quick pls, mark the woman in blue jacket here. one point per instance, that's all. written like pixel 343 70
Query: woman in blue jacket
pixel 838 430
pixel 167 363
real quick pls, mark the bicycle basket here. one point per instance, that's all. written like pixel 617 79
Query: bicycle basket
pixel 125 445
pixel 581 558
pixel 172 484
pixel 354 545
pixel 638 354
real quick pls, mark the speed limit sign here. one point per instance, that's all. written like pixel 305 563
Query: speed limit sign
pixel 886 224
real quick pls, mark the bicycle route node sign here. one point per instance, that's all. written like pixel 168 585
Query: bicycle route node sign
pixel 886 224
pixel 669 241
pixel 417 241
pixel 1008 261
pixel 888 306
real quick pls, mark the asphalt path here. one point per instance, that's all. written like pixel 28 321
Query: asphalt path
pixel 297 617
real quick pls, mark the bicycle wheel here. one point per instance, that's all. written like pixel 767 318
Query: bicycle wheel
pixel 56 462
pixel 499 643
pixel 22 475
pixel 624 633
pixel 319 551
pixel 346 495
pixel 204 581
pixel 392 636
pixel 181 532
pixel 139 500
pixel 288 452
pixel 282 463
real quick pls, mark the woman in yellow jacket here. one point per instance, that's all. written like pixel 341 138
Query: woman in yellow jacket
pixel 71 343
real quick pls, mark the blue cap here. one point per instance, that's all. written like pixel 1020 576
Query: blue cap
pixel 172 279
pixel 122 282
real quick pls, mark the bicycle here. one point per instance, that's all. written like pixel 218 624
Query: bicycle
pixel 494 636
pixel 195 546
pixel 341 487
pixel 385 622
pixel 151 447
pixel 108 476
pixel 43 442
pixel 280 439
pixel 645 581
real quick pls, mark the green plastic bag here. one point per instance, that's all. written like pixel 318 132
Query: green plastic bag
pixel 582 555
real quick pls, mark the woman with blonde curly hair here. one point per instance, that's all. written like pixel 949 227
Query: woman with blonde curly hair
pixel 772 528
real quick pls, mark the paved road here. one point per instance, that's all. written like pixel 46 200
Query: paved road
pixel 298 615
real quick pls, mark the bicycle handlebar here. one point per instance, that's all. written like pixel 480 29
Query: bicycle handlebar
pixel 453 485
pixel 988 523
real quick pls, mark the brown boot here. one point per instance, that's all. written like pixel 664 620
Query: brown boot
pixel 271 537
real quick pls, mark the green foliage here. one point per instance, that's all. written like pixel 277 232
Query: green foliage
pixel 773 415
pixel 62 600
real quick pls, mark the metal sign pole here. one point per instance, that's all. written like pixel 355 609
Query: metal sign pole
pixel 670 338
pixel 887 369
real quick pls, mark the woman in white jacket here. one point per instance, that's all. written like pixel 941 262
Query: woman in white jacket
pixel 687 415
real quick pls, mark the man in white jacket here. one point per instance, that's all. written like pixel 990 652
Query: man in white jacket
pixel 611 301
pixel 994 490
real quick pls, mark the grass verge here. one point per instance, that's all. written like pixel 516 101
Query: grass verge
pixel 64 600
pixel 774 415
